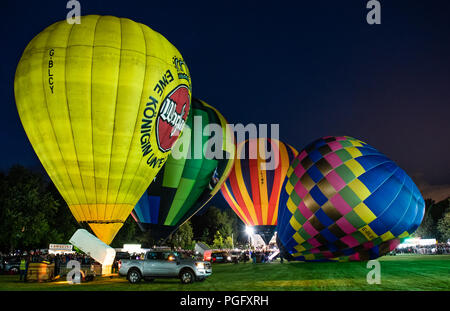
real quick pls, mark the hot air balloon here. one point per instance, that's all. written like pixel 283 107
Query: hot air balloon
pixel 102 102
pixel 345 200
pixel 253 188
pixel 190 177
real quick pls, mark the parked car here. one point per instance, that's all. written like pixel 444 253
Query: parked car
pixel 221 256
pixel 236 256
pixel 11 265
pixel 122 255
pixel 164 264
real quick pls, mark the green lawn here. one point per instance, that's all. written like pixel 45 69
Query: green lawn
pixel 407 272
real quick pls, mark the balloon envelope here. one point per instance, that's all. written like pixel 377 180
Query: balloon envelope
pixel 192 175
pixel 102 102
pixel 253 188
pixel 345 200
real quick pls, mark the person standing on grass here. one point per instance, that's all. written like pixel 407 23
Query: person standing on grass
pixel 57 264
pixel 23 269
pixel 253 255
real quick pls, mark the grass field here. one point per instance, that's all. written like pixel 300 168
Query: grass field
pixel 407 272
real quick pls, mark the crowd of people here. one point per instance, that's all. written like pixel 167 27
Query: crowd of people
pixel 24 258
pixel 261 256
pixel 435 249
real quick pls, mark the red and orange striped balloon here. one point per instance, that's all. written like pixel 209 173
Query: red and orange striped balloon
pixel 253 187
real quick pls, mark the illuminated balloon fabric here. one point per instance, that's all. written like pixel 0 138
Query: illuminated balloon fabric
pixel 186 183
pixel 251 190
pixel 345 200
pixel 98 102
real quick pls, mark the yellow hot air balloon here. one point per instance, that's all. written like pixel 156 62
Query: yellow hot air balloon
pixel 102 103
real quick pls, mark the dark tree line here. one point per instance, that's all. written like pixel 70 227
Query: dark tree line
pixel 436 221
pixel 33 214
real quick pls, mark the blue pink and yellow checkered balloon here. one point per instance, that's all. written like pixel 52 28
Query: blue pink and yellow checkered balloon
pixel 344 200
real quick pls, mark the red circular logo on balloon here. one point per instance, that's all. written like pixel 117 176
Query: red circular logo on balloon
pixel 172 117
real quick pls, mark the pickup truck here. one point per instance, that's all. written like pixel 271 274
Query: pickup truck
pixel 164 264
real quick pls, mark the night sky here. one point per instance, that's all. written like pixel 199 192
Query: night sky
pixel 314 67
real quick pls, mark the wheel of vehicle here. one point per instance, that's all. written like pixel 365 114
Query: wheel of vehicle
pixel 187 276
pixel 134 276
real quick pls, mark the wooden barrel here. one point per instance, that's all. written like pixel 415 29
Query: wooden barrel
pixel 40 272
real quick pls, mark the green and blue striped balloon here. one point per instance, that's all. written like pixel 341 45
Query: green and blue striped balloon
pixel 190 177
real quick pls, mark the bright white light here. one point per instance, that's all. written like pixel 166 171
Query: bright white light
pixel 132 248
pixel 410 242
pixel 249 230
